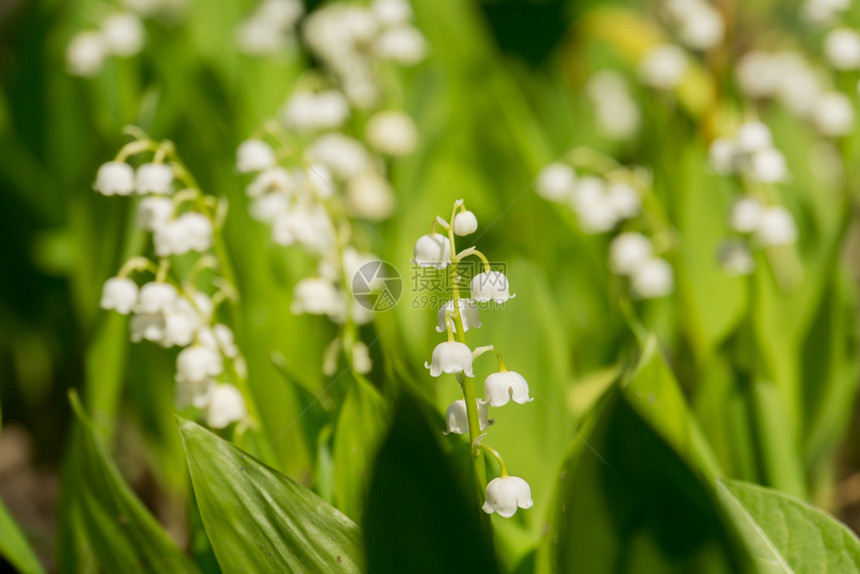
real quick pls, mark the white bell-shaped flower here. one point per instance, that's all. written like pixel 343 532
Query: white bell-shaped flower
pixel 259 37
pixel 154 178
pixel 219 338
pixel 191 231
pixel 147 326
pixel 271 181
pixel 507 493
pixel 115 178
pixel 468 314
pixel 490 286
pixel 653 278
pixel 768 166
pixel 753 136
pixel 269 207
pixel 842 48
pixel 404 45
pixel 722 156
pixel 317 296
pixel 154 212
pixel 308 111
pixel 457 419
pixel 86 54
pixel 450 357
pixel 663 67
pixel 465 223
pixel 198 363
pixel 746 215
pixel 627 251
pixel 391 12
pixel 556 182
pixel 156 297
pixel 123 34
pixel 624 199
pixel 182 320
pixel 392 132
pixel 702 28
pixel 501 387
pixel 432 250
pixel 119 294
pixel 833 115
pixel 370 196
pixel 776 227
pixel 193 393
pixel 345 156
pixel 281 13
pixel 254 155
pixel 226 406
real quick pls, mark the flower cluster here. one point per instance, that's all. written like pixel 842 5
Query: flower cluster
pixel 609 199
pixel 172 308
pixel 470 415
pixel 750 154
pixel 271 28
pixel 119 34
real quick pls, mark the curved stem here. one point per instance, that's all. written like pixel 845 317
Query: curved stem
pixel 503 469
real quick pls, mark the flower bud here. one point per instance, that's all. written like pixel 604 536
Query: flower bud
pixel 465 223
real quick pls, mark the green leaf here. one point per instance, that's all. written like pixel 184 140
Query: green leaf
pixel 360 426
pixel 121 533
pixel 419 517
pixel 786 534
pixel 14 547
pixel 627 502
pixel 261 521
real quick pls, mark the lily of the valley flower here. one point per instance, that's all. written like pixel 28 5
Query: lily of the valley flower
pixel 490 286
pixel 198 363
pixel 254 155
pixel 507 493
pixel 653 278
pixel 153 178
pixel 156 297
pixel 465 223
pixel 458 421
pixel 501 387
pixel 119 294
pixel 450 357
pixel 154 212
pixel 468 314
pixel 115 178
pixel 432 250
pixel 627 251
pixel 226 406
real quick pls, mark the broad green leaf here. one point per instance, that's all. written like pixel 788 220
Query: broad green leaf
pixel 14 547
pixel 122 534
pixel 259 520
pixel 627 502
pixel 420 517
pixel 359 429
pixel 787 535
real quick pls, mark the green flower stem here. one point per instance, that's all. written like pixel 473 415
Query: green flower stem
pixel 503 468
pixel 468 382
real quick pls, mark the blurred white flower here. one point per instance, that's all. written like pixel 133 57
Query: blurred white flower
pixel 505 494
pixel 833 115
pixel 272 180
pixel 465 223
pixel 468 315
pixel 361 361
pixel 119 294
pixel 392 132
pixel 191 231
pixel 504 386
pixel 281 13
pixel 457 419
pixel 225 406
pixel 254 155
pixel 842 48
pixel 824 11
pixel 652 278
pixel 776 227
pixel 432 250
pixel 259 37
pixel 123 34
pixel 344 155
pixel 115 178
pixel 722 156
pixel 198 363
pixel 183 319
pixel 490 286
pixel 450 357
pixel 309 111
pixel 556 182
pixel 156 297
pixel 624 199
pixel 85 54
pixel 147 326
pixel 370 196
pixel 627 251
pixel 219 338
pixel 701 26
pixel 391 12
pixel 663 67
pixel 735 258
pixel 154 178
pixel 317 297
pixel 768 166
pixel 753 136
pixel 746 215
pixel 403 44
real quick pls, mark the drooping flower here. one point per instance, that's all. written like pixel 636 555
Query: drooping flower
pixel 154 178
pixel 501 387
pixel 450 357
pixel 746 215
pixel 275 180
pixel 556 182
pixel 317 296
pixel 191 231
pixel 627 251
pixel 156 297
pixel 119 294
pixel 154 212
pixel 663 67
pixel 465 223
pixel 198 363
pixel 432 250
pixel 490 286
pixel 123 34
pixel 507 493
pixel 457 419
pixel 776 227
pixel 254 155
pixel 392 132
pixel 370 196
pixel 226 406
pixel 115 178
pixel 468 314
pixel 85 55
pixel 653 278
